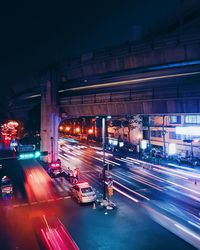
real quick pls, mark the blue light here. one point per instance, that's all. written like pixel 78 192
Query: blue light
pixel 37 154
pixel 22 156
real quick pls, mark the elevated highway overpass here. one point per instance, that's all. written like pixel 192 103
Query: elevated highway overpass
pixel 155 77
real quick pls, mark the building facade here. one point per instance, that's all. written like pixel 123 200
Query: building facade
pixel 163 132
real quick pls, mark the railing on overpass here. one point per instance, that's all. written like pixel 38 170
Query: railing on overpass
pixel 113 59
pixel 176 92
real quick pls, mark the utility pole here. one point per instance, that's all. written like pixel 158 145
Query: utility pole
pixel 104 170
pixel 52 156
pixel 149 135
pixel 163 134
pixel 192 154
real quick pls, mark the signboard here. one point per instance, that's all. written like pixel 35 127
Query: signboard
pixel 143 144
pixel 6 189
pixel 188 131
pixel 113 142
pixel 26 148
pixel 172 148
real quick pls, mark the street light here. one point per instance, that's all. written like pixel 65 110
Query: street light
pixel 77 130
pixel 52 156
pixel 90 131
pixel 104 170
pixel 67 129
pixel 104 144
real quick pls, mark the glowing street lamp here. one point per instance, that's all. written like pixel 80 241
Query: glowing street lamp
pixel 77 130
pixel 67 129
pixel 90 131
pixel 61 128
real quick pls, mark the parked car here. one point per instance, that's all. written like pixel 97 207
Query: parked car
pixel 55 169
pixel 83 192
pixel 193 161
pixel 156 153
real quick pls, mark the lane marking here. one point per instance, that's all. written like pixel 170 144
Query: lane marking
pixel 16 205
pixel 24 204
pixel 59 198
pixel 33 203
pixel 49 200
pixel 67 197
pixel 43 201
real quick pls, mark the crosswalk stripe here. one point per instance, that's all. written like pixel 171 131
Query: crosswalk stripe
pixel 57 186
pixel 62 185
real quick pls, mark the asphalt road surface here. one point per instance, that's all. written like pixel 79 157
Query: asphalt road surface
pixel 157 208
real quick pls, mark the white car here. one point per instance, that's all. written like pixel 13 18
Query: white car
pixel 83 192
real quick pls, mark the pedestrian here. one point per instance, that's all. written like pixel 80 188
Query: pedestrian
pixel 71 176
pixel 77 173
pixel 75 176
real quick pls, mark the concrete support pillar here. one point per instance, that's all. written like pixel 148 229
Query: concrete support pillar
pixel 50 118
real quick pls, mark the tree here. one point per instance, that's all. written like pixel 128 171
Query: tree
pixel 146 123
pixel 115 124
pixel 132 122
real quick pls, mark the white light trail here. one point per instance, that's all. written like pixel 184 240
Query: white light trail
pixel 183 187
pixel 131 190
pixel 186 230
pixel 123 193
pixel 145 182
pixel 167 173
pixel 127 82
pixel 194 224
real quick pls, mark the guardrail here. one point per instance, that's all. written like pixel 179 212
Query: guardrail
pixel 133 95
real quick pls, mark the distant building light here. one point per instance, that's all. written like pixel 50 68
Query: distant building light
pixel 143 144
pixel 121 144
pixel 113 142
pixel 90 131
pixel 67 128
pixel 77 130
pixel 172 148
pixel 188 130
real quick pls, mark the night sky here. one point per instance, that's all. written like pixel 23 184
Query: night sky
pixel 35 34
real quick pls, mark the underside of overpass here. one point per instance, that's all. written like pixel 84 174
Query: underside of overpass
pixel 177 94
